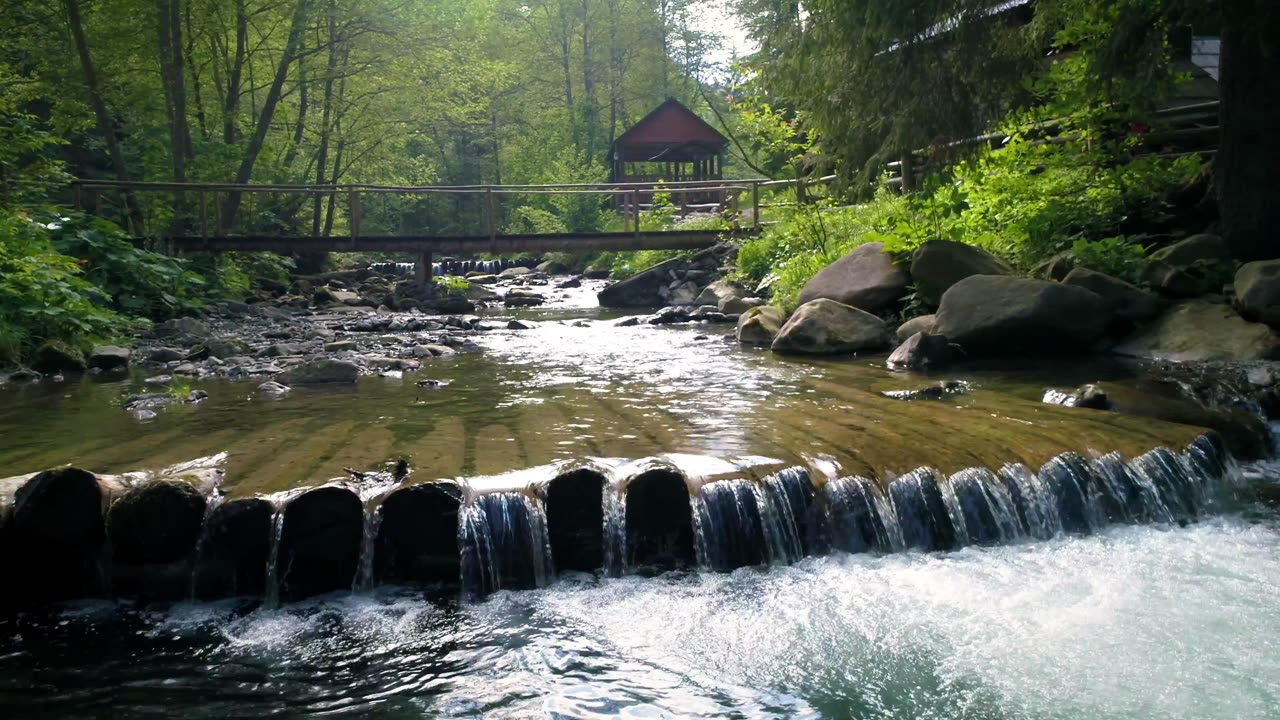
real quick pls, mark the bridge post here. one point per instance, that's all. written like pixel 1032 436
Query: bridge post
pixel 422 271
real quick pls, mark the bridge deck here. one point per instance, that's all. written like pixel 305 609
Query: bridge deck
pixel 502 244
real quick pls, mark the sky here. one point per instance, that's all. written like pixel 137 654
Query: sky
pixel 715 16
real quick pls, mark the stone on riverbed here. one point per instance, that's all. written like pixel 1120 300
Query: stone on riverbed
pixel 716 293
pixel 996 314
pixel 759 326
pixel 918 324
pixel 826 326
pixel 273 389
pixel 1258 291
pixel 1197 331
pixel 514 272
pixel 866 278
pixel 56 357
pixel 1127 302
pixel 647 288
pixel 939 264
pixel 1173 271
pixel 922 351
pixel 322 372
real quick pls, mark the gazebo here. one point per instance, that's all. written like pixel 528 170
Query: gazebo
pixel 671 144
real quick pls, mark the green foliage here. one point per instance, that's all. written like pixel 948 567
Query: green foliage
pixel 138 282
pixel 528 219
pixel 451 284
pixel 1120 257
pixel 625 264
pixel 43 294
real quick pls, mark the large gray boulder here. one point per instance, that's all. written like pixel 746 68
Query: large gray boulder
pixel 825 326
pixel 1127 302
pixel 759 325
pixel 109 357
pixel 716 293
pixel 1258 291
pixel 1173 270
pixel 321 372
pixel 1197 331
pixel 921 351
pixel 645 288
pixel 55 357
pixel 939 264
pixel 995 314
pixel 866 278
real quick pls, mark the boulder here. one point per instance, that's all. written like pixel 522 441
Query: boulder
pixel 340 346
pixel 737 305
pixel 1056 267
pixel 552 267
pixel 1127 302
pixel 825 326
pixel 55 357
pixel 1258 291
pixel 866 278
pixel 454 305
pixel 759 325
pixel 918 324
pixel 683 293
pixel 995 314
pixel 1085 396
pixel 596 272
pixel 321 372
pixel 1173 270
pixel 513 272
pixel 1196 331
pixel 645 288
pixel 181 326
pixel 483 279
pixel 227 347
pixel 921 351
pixel 716 293
pixel 939 264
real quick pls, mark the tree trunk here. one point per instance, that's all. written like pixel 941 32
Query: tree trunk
pixel 322 156
pixel 196 94
pixel 1247 168
pixel 231 101
pixel 99 106
pixel 245 173
pixel 589 110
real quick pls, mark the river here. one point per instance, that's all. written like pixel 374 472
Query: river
pixel 1169 620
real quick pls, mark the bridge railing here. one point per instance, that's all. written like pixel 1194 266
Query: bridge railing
pixel 168 209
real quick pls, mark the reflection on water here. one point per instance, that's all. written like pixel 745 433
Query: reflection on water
pixel 1138 622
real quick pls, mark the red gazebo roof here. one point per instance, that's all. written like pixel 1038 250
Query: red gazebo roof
pixel 671 132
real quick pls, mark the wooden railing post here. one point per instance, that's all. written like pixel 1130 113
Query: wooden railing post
pixel 75 191
pixel 357 213
pixel 755 205
pixel 635 205
pixel 490 216
pixel 204 220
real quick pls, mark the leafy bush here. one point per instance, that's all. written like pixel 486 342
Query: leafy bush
pixel 43 294
pixel 451 284
pixel 1120 257
pixel 625 264
pixel 138 282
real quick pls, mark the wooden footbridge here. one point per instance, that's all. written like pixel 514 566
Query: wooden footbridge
pixel 220 217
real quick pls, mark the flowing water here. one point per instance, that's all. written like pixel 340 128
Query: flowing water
pixel 843 553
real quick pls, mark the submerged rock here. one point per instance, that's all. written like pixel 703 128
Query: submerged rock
pixel 992 315
pixel 322 372
pixel 826 326
pixel 1086 396
pixel 922 351
pixel 939 264
pixel 272 389
pixel 867 279
pixel 936 391
pixel 759 325
pixel 1193 331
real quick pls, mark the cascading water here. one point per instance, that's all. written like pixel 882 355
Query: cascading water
pixel 984 506
pixel 271 592
pixel 368 542
pixel 727 528
pixel 1034 507
pixel 197 555
pixel 614 510
pixel 784 499
pixel 504 544
pixel 859 518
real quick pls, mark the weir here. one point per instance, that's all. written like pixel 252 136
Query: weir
pixel 160 539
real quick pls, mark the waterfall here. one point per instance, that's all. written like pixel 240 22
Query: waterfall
pixel 784 499
pixel 727 528
pixel 615 531
pixel 271 596
pixel 984 507
pixel 1035 510
pixel 922 511
pixel 504 544
pixel 368 541
pixel 859 517
pixel 197 554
